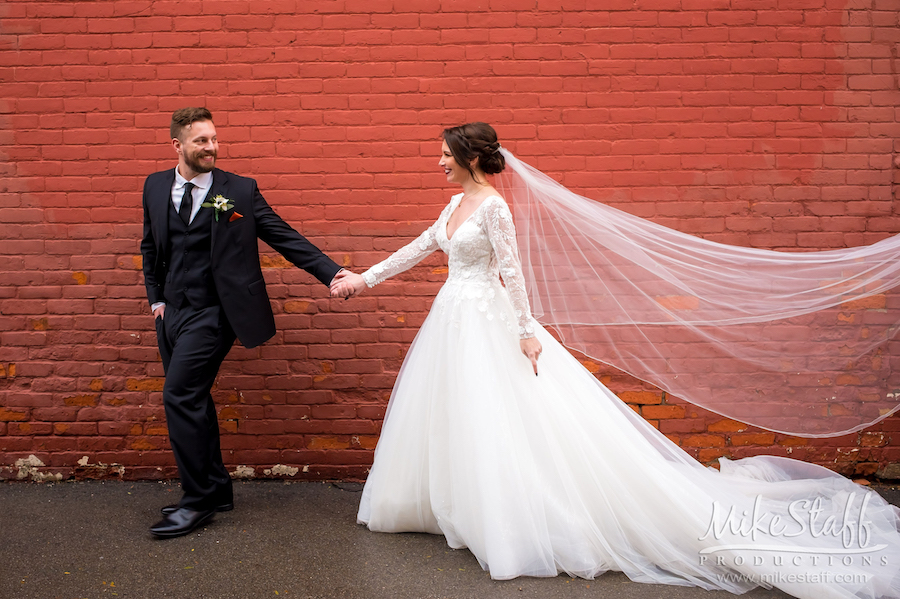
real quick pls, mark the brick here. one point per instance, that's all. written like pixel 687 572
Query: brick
pixel 13 415
pixel 144 385
pixel 328 442
pixel 640 397
pixel 662 411
pixel 727 425
pixel 704 441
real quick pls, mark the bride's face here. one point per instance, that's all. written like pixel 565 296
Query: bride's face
pixel 455 173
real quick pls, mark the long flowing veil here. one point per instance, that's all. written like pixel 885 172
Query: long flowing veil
pixel 794 342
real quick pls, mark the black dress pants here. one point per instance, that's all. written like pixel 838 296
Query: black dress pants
pixel 193 342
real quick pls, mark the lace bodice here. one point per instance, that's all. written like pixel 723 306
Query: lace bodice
pixel 483 247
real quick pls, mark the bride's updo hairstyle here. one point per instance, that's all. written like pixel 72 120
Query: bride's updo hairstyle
pixel 475 140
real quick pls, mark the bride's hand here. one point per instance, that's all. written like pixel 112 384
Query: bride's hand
pixel 347 284
pixel 531 347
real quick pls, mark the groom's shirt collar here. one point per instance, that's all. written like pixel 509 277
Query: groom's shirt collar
pixel 202 181
pixel 202 184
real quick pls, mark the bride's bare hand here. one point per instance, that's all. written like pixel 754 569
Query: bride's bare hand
pixel 531 347
pixel 347 284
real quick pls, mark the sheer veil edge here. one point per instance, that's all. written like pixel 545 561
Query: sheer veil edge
pixel 801 343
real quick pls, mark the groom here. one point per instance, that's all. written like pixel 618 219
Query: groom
pixel 205 287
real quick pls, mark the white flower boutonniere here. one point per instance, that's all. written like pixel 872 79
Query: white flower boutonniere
pixel 220 203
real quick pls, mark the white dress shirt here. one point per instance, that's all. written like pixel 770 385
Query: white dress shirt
pixel 202 183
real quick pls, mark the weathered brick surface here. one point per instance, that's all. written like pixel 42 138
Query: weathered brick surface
pixel 761 123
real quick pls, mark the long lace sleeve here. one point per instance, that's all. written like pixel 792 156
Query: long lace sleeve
pixel 502 233
pixel 407 256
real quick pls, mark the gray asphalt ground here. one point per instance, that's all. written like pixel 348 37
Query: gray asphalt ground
pixel 85 540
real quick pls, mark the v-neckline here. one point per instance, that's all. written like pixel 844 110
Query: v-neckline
pixel 447 224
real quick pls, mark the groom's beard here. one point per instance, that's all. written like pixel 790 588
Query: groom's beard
pixel 194 163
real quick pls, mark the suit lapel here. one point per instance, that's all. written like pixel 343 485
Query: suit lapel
pixel 162 199
pixel 218 187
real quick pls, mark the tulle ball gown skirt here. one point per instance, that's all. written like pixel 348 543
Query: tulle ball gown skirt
pixel 538 475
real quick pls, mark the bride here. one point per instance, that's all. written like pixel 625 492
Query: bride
pixel 498 438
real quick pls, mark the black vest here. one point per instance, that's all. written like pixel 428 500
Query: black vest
pixel 189 278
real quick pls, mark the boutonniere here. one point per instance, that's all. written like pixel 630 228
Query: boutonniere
pixel 220 203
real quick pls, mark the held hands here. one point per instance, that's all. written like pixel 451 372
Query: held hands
pixel 531 347
pixel 347 284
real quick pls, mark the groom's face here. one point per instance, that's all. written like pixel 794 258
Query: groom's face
pixel 197 146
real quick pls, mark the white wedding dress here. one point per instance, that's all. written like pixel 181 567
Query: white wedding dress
pixel 549 474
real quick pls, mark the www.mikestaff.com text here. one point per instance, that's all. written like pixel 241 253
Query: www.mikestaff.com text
pixel 772 578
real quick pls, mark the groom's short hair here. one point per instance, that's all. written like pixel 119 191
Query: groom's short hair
pixel 185 117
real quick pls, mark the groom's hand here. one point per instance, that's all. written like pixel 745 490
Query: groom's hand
pixel 159 312
pixel 339 287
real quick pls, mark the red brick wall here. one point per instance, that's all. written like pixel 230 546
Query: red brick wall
pixel 769 123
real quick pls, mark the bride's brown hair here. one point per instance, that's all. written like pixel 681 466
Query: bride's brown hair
pixel 475 140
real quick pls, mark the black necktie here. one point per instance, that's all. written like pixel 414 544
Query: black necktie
pixel 187 203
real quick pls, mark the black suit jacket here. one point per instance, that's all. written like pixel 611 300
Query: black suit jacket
pixel 235 253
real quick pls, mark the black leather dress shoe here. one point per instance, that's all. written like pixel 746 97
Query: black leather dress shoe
pixel 180 522
pixel 165 511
